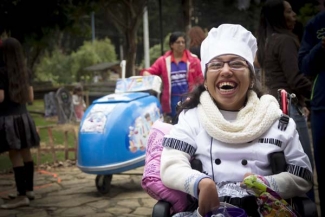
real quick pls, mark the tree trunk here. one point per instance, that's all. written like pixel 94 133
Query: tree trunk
pixel 33 54
pixel 187 12
pixel 127 21
pixel 131 52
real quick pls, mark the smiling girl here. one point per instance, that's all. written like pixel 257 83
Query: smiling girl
pixel 229 126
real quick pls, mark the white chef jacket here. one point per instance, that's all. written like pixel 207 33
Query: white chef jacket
pixel 227 163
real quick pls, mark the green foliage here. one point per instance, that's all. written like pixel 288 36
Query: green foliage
pixel 155 51
pixel 214 13
pixel 91 53
pixel 307 12
pixel 36 22
pixel 54 67
pixel 61 68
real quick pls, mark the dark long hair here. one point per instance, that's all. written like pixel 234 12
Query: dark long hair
pixel 193 98
pixel 18 77
pixel 272 21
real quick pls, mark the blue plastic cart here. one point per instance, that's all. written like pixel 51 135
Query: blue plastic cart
pixel 114 130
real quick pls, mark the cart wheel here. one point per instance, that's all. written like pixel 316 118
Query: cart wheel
pixel 103 183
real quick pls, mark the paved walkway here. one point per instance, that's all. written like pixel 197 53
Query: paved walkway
pixel 69 192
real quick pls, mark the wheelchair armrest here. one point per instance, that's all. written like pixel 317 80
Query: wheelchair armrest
pixel 161 209
pixel 305 206
pixel 278 162
pixel 196 165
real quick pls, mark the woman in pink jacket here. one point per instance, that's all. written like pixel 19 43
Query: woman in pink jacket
pixel 179 70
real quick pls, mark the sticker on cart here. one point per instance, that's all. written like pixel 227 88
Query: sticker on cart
pixel 114 97
pixel 138 83
pixel 95 120
pixel 139 131
pixel 105 108
pixel 94 123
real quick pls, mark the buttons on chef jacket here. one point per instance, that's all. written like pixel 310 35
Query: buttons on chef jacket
pixel 243 162
pixel 217 161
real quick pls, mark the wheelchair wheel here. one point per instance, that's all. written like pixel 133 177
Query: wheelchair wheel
pixel 103 183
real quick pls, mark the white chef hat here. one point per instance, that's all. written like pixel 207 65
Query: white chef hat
pixel 229 39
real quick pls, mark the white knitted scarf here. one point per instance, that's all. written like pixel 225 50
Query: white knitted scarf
pixel 252 121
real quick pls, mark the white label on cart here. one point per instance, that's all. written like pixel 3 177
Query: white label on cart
pixel 95 120
pixel 138 83
pixel 114 96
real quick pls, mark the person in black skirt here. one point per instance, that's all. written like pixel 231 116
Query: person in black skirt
pixel 17 129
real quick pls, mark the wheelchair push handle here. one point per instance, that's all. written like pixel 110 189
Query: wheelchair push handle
pixel 285 99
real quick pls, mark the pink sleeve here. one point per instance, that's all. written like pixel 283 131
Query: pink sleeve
pixel 156 68
pixel 151 181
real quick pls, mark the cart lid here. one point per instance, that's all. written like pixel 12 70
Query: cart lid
pixel 120 97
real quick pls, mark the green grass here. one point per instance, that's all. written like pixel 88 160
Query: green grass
pixel 37 105
pixel 57 133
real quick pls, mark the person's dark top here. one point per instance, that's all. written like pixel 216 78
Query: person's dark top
pixel 196 50
pixel 312 59
pixel 7 106
pixel 281 68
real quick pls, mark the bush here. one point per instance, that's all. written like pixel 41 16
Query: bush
pixel 54 67
pixel 61 68
pixel 155 51
pixel 89 54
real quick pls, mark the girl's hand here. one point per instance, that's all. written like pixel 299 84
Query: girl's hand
pixel 208 196
pixel 305 112
pixel 248 174
pixel 145 73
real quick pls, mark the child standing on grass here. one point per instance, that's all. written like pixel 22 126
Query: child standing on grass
pixel 17 129
pixel 78 102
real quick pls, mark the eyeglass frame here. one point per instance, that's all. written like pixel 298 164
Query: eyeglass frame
pixel 180 42
pixel 223 65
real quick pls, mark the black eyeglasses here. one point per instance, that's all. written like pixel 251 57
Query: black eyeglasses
pixel 179 42
pixel 235 65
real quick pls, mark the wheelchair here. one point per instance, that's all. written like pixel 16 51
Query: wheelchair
pixel 302 204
